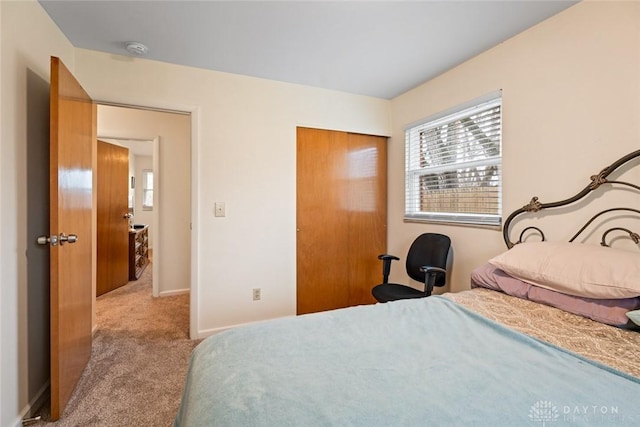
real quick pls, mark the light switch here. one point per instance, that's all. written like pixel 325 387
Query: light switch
pixel 219 209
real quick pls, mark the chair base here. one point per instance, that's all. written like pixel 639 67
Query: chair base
pixel 392 292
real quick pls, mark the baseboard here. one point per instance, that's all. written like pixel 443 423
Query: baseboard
pixel 208 332
pixel 34 405
pixel 172 293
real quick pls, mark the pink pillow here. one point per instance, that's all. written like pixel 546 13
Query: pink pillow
pixel 608 311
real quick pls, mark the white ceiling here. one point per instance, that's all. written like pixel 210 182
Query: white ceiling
pixel 375 48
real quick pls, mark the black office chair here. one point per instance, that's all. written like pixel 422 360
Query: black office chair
pixel 426 262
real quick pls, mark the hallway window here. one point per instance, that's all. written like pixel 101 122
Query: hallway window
pixel 147 190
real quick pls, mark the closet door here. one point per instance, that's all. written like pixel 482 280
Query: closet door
pixel 341 218
pixel 366 214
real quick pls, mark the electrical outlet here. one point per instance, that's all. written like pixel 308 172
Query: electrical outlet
pixel 219 209
pixel 256 294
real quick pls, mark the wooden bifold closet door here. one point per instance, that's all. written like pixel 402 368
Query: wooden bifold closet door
pixel 341 218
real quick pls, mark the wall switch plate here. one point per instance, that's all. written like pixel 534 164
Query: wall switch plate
pixel 219 209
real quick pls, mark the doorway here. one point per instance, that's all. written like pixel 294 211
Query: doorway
pixel 159 142
pixel 142 189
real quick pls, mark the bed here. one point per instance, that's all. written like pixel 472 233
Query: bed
pixel 516 349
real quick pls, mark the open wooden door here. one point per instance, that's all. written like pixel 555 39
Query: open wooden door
pixel 72 132
pixel 113 220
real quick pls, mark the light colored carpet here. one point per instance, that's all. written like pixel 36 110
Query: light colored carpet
pixel 138 363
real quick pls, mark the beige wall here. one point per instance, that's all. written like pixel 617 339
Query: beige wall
pixel 571 105
pixel 244 155
pixel 172 259
pixel 28 39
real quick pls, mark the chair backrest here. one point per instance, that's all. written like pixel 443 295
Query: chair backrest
pixel 430 249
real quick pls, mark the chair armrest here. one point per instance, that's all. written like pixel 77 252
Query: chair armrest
pixel 386 256
pixel 386 266
pixel 430 277
pixel 432 270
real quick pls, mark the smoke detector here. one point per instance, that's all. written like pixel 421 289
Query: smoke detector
pixel 136 48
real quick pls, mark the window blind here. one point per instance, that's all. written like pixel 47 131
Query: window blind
pixel 454 166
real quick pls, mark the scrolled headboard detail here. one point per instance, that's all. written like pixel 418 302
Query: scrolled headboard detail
pixel 596 181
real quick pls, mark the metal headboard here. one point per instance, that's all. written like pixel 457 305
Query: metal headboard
pixel 596 181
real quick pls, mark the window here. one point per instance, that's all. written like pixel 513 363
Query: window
pixel 454 165
pixel 147 190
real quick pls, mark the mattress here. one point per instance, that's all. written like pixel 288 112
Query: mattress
pixel 614 347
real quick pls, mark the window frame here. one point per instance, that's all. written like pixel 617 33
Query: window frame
pixel 412 210
pixel 146 189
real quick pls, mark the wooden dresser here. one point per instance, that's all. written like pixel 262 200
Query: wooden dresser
pixel 138 251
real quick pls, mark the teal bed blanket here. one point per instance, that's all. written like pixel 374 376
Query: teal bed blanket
pixel 425 362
